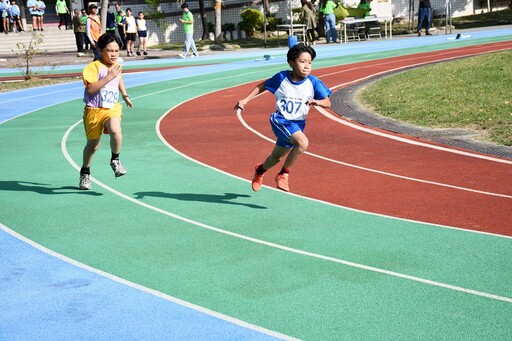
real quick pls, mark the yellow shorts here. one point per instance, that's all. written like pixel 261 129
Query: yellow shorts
pixel 95 118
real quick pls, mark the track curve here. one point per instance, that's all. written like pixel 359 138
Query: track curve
pixel 358 169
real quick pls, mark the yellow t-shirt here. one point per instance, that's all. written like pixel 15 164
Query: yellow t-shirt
pixel 108 96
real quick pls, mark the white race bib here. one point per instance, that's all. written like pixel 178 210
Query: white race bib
pixel 108 96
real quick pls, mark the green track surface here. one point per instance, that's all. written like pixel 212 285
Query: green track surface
pixel 295 294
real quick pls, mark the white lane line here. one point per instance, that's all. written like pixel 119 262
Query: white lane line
pixel 262 242
pixel 266 243
pixel 390 136
pixel 372 170
pixel 294 194
pixel 145 289
pixel 394 137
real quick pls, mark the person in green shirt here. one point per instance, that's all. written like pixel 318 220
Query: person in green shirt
pixel 61 9
pixel 83 21
pixel 120 16
pixel 327 9
pixel 188 27
pixel 365 4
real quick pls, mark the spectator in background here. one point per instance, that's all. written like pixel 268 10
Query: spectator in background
pixel 83 20
pixel 61 9
pixel 34 13
pixel 79 30
pixel 130 29
pixel 424 14
pixel 4 13
pixel 327 9
pixel 40 18
pixel 110 28
pixel 14 12
pixel 93 29
pixel 120 15
pixel 142 31
pixel 188 27
pixel 309 19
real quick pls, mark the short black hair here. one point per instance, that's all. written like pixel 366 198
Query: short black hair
pixel 184 5
pixel 106 39
pixel 296 50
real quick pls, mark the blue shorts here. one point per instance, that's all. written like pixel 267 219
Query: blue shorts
pixel 283 129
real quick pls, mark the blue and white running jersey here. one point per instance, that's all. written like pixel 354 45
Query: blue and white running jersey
pixel 291 97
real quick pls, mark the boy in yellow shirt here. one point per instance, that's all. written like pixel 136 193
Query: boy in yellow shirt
pixel 102 113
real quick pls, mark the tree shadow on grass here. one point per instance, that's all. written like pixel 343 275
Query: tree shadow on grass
pixel 27 186
pixel 211 198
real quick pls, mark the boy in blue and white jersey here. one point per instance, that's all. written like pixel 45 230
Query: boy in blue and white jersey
pixel 295 91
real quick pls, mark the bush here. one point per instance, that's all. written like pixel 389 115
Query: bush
pixel 252 21
pixel 272 22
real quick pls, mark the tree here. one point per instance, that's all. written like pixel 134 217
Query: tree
pixel 157 16
pixel 103 15
pixel 27 53
pixel 204 22
pixel 218 22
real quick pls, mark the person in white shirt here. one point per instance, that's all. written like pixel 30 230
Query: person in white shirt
pixel 295 92
pixel 130 31
pixel 142 31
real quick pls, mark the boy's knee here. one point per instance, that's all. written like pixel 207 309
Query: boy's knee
pixel 302 144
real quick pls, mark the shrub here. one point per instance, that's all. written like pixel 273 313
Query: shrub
pixel 252 21
pixel 272 22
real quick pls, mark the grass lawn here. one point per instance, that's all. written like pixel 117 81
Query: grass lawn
pixel 472 93
pixel 17 85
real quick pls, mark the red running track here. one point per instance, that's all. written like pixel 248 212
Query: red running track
pixel 441 187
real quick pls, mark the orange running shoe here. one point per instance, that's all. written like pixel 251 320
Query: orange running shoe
pixel 257 179
pixel 282 182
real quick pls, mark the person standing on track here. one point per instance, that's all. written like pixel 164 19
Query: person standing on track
pixel 62 10
pixel 424 15
pixel 102 113
pixel 120 16
pixel 78 30
pixel 93 30
pixel 130 29
pixel 327 9
pixel 295 92
pixel 188 27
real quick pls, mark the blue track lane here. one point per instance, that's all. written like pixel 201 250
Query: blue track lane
pixel 46 298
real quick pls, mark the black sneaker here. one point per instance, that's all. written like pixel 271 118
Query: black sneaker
pixel 145 53
pixel 138 53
